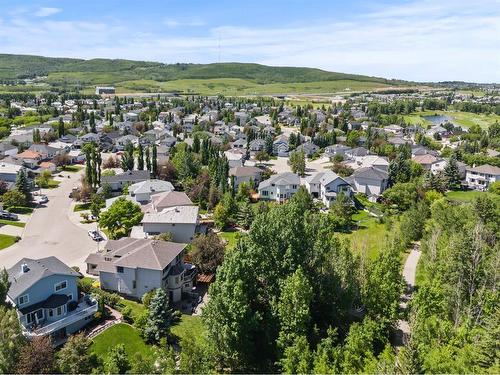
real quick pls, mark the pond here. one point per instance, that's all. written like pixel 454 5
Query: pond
pixel 438 119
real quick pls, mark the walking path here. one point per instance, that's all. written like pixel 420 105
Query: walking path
pixel 409 273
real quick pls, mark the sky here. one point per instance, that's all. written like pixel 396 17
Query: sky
pixel 419 40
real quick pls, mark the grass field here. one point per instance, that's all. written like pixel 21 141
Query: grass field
pixel 120 334
pixel 369 238
pixel 13 223
pixel 469 195
pixel 6 241
pixel 231 237
pixel 465 119
pixel 189 324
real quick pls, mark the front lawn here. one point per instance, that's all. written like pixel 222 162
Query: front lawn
pixel 13 223
pixel 189 324
pixel 72 168
pixel 52 184
pixel 6 241
pixel 20 210
pixel 120 333
pixel 81 207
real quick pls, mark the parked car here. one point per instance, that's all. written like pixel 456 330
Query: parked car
pixel 8 215
pixel 95 235
pixel 41 199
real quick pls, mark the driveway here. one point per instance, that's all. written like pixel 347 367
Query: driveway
pixel 50 232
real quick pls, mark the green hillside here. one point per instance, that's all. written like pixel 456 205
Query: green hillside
pixel 133 76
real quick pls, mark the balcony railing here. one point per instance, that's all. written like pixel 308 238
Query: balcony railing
pixel 81 312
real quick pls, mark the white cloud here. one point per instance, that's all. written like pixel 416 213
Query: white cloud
pixel 47 11
pixel 183 22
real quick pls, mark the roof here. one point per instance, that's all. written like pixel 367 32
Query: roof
pixel 176 214
pixel 37 269
pixel 425 159
pixel 136 253
pixel 29 154
pixel 286 178
pixel 129 176
pixel 371 173
pixel 170 199
pixel 486 168
pixel 150 186
pixel 6 146
pixel 244 171
pixel 330 176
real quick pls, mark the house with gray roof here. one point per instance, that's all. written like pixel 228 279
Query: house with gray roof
pixel 45 295
pixel 244 174
pixel 134 267
pixel 179 221
pixel 482 176
pixel 308 148
pixel 119 181
pixel 370 181
pixel 326 186
pixel 142 191
pixel 279 187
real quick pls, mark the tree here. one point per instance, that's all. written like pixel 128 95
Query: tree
pixel 75 357
pixel 147 157
pixel 207 252
pixel 22 184
pixel 4 187
pixel 297 358
pixel 297 162
pixel 142 364
pixel 452 174
pixel 11 339
pixel 4 285
pixel 261 156
pixel 44 179
pixel 342 210
pixel 36 136
pixel 154 162
pixel 60 128
pixel 140 158
pixel 122 215
pixel 245 215
pixel 36 357
pixel 96 203
pixel 61 160
pixel 127 162
pixel 293 309
pixel 13 198
pixel 159 317
pixel 195 356
pixel 116 361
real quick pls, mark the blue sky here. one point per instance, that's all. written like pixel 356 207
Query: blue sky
pixel 419 40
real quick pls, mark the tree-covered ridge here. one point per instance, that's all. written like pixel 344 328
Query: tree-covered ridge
pixel 26 66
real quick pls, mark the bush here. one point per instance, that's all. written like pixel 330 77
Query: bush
pixel 127 314
pixel 13 198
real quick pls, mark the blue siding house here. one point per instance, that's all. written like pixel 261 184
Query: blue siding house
pixel 45 294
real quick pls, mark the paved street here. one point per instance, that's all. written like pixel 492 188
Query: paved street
pixel 49 231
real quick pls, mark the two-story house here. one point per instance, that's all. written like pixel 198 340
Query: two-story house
pixel 279 187
pixel 136 266
pixel 327 186
pixel 482 176
pixel 45 295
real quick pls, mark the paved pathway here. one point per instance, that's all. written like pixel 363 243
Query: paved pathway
pixel 50 232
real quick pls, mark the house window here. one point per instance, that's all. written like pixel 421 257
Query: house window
pixel 51 313
pixel 70 296
pixel 60 286
pixel 265 193
pixel 134 284
pixel 119 269
pixel 294 186
pixel 59 311
pixel 24 299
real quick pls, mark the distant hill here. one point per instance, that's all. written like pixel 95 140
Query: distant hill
pixel 26 66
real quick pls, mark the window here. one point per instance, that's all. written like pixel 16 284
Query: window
pixel 70 296
pixel 265 193
pixel 60 286
pixel 51 313
pixel 134 284
pixel 119 269
pixel 24 299
pixel 294 186
pixel 59 310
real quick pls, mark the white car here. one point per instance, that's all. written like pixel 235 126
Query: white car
pixel 41 199
pixel 95 235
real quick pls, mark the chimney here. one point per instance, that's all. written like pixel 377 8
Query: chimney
pixel 24 268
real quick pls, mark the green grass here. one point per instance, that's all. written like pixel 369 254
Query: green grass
pixel 52 184
pixel 13 223
pixel 81 207
pixel 136 308
pixel 369 238
pixel 468 195
pixel 189 324
pixel 120 334
pixel 465 119
pixel 231 238
pixel 6 241
pixel 20 210
pixel 72 168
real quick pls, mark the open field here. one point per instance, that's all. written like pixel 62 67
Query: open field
pixel 465 119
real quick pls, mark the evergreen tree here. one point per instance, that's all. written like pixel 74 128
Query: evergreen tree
pixel 22 184
pixel 76 357
pixel 452 174
pixel 92 123
pixel 159 317
pixel 140 158
pixel 147 156
pixel 117 362
pixel 60 128
pixel 154 162
pixel 196 144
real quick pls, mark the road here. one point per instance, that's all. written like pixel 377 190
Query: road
pixel 50 231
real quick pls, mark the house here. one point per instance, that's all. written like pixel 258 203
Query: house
pixel 6 149
pixel 244 174
pixel 257 145
pixel 327 186
pixel 370 181
pixel 119 181
pixel 45 294
pixel 9 171
pixel 337 149
pixel 430 162
pixel 235 157
pixel 87 138
pixel 357 153
pixel 131 116
pixel 279 187
pixel 379 162
pixel 482 176
pixel 160 201
pixel 397 141
pixel 134 267
pixel 179 221
pixel 240 143
pixel 30 158
pixel 394 129
pixel 281 146
pixel 47 166
pixel 122 142
pixel 308 148
pixel 142 191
